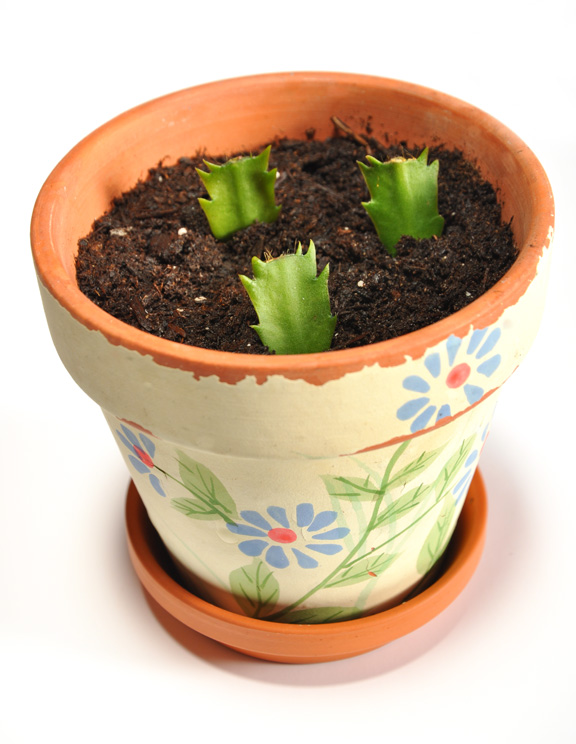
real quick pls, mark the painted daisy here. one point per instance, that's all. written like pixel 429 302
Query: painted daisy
pixel 141 452
pixel 280 541
pixel 457 371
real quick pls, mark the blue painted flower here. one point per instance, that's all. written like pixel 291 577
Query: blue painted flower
pixel 276 539
pixel 461 488
pixel 448 373
pixel 142 450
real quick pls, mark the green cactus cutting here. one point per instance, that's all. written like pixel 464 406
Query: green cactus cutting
pixel 292 303
pixel 241 193
pixel 404 198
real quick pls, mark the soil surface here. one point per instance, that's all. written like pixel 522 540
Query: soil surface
pixel 151 261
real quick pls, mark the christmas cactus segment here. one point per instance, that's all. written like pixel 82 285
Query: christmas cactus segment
pixel 292 303
pixel 404 198
pixel 241 193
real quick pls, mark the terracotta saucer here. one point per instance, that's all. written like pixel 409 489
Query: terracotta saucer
pixel 184 615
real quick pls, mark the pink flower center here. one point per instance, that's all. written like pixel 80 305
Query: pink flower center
pixel 144 457
pixel 458 375
pixel 282 535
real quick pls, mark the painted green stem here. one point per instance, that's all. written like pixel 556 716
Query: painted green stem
pixel 394 537
pixel 448 476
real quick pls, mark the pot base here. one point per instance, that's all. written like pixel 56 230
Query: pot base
pixel 184 615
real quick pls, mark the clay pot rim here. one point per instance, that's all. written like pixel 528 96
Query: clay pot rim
pixel 314 367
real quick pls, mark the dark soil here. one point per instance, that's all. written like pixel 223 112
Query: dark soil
pixel 152 262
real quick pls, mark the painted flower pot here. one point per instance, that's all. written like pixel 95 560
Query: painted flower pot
pixel 305 488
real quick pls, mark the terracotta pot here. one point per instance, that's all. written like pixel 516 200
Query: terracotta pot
pixel 301 488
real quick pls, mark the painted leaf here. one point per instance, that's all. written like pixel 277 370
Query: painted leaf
pixel 404 198
pixel 438 538
pixel 315 615
pixel 360 489
pixel 256 588
pixel 363 570
pixel 194 509
pixel 417 466
pixel 451 471
pixel 211 499
pixel 242 193
pixel 403 505
pixel 292 303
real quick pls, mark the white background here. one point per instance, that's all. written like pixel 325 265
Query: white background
pixel 82 658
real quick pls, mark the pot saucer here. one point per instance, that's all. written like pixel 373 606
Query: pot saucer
pixel 184 615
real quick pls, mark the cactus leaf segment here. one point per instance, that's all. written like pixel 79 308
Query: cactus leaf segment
pixel 292 303
pixel 404 198
pixel 241 192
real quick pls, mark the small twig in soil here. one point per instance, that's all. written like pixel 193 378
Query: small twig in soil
pixel 345 129
pixel 328 190
pixel 176 329
pixel 141 314
pixel 156 215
